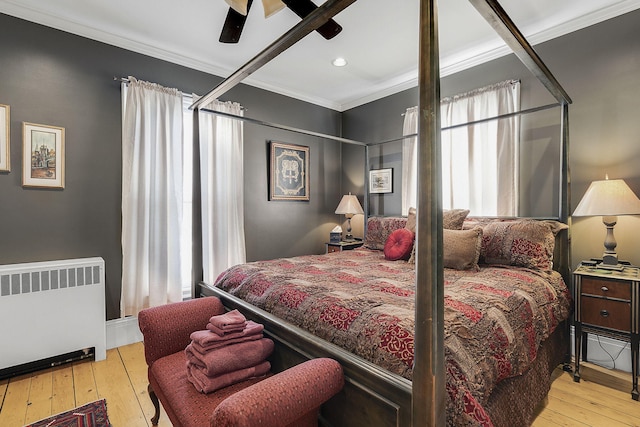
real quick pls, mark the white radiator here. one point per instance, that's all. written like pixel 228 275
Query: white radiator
pixel 51 308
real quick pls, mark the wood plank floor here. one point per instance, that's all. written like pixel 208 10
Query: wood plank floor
pixel 601 399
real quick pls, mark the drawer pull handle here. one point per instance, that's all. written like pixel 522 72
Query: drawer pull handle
pixel 604 289
pixel 604 313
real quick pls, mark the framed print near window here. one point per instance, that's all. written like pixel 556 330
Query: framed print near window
pixel 289 172
pixel 381 180
pixel 5 144
pixel 42 156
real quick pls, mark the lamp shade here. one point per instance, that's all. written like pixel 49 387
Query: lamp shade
pixel 349 205
pixel 609 197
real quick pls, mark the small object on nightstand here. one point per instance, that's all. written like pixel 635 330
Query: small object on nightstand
pixel 336 235
pixel 342 246
pixel 607 303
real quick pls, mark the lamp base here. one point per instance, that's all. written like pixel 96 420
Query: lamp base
pixel 598 263
pixel 348 238
pixel 613 267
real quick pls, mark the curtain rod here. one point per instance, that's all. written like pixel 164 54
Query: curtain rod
pixel 480 89
pixel 476 122
pixel 125 80
pixel 268 124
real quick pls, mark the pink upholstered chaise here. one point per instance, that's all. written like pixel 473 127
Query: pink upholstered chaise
pixel 289 398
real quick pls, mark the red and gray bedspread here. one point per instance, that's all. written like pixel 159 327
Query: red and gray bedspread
pixel 495 318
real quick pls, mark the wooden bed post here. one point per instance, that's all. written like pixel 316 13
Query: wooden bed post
pixel 428 391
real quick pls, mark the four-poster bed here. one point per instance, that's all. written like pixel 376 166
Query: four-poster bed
pixel 373 395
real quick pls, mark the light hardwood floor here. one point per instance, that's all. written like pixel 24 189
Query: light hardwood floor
pixel 601 399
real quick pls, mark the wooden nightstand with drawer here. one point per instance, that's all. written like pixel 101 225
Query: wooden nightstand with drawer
pixel 606 303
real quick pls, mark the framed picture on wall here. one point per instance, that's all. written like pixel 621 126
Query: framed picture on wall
pixel 289 172
pixel 42 156
pixel 5 143
pixel 381 180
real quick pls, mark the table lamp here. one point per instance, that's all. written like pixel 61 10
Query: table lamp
pixel 608 198
pixel 349 206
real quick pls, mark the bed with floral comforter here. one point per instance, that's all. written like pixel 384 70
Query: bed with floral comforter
pixel 496 315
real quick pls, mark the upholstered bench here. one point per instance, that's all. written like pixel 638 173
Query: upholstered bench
pixel 289 398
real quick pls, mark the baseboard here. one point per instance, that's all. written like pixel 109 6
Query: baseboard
pixel 600 351
pixel 123 332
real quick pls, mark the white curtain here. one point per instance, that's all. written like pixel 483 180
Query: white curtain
pixel 479 162
pixel 151 196
pixel 410 160
pixel 221 159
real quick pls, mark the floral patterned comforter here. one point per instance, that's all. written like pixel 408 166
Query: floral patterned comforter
pixel 495 318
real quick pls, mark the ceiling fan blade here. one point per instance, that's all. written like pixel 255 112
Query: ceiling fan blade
pixel 233 25
pixel 302 8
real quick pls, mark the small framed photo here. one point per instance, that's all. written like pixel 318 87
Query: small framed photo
pixel 381 180
pixel 289 172
pixel 5 135
pixel 42 156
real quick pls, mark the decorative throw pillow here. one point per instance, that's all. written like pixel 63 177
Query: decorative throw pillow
pixel 411 220
pixel 399 245
pixel 379 228
pixel 461 248
pixel 453 219
pixel 524 243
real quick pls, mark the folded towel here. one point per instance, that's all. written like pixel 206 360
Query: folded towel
pixel 208 337
pixel 231 357
pixel 222 332
pixel 214 345
pixel 231 320
pixel 205 384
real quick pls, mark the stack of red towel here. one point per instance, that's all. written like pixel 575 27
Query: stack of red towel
pixel 230 350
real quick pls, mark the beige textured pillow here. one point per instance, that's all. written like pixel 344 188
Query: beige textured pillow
pixel 452 219
pixel 461 248
pixel 411 220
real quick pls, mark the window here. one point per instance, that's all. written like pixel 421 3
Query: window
pixel 479 162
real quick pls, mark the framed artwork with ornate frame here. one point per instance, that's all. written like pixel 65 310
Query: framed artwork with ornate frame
pixel 5 138
pixel 289 172
pixel 381 180
pixel 42 156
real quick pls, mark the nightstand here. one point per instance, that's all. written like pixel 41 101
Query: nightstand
pixel 342 246
pixel 606 303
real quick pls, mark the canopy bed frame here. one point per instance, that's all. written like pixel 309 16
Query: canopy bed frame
pixel 390 399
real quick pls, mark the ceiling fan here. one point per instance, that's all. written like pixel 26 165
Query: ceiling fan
pixel 238 10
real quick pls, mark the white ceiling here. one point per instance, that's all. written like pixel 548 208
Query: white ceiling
pixel 379 38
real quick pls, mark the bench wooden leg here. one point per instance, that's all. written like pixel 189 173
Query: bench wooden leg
pixel 156 404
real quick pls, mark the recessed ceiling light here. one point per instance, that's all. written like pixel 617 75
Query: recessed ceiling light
pixel 339 62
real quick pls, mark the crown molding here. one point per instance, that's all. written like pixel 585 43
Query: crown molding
pixel 450 65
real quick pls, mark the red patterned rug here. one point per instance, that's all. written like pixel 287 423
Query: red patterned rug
pixel 92 414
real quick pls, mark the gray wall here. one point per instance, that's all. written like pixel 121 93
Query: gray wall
pixel 51 77
pixel 599 67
